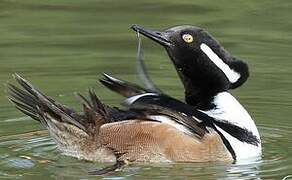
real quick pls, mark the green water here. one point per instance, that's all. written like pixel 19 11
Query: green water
pixel 63 46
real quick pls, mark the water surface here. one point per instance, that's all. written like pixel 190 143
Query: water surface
pixel 63 47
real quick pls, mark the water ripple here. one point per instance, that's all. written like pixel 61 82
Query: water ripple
pixel 39 152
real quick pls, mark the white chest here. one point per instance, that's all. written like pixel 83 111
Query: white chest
pixel 230 110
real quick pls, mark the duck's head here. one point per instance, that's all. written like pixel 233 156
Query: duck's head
pixel 203 65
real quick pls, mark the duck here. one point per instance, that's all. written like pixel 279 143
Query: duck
pixel 207 72
pixel 211 125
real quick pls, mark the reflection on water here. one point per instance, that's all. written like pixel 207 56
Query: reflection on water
pixel 63 47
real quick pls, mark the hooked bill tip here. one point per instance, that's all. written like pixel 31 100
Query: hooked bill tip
pixel 136 27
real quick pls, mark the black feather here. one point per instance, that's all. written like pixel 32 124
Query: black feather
pixel 179 112
pixel 124 88
pixel 29 100
pixel 239 133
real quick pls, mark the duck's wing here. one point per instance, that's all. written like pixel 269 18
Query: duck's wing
pixel 196 121
pixel 125 88
pixel 160 107
pixel 167 109
pixel 185 117
pixel 148 100
pixel 128 89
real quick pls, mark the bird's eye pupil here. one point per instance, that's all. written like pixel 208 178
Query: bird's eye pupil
pixel 187 38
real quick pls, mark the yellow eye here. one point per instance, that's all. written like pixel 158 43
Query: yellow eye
pixel 187 38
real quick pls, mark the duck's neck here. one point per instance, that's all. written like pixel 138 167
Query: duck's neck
pixel 200 99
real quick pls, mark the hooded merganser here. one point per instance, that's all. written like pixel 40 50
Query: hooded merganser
pixel 207 72
pixel 155 127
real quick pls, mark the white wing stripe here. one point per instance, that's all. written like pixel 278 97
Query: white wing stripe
pixel 132 99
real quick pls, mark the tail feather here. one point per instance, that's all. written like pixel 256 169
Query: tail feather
pixel 95 112
pixel 31 100
pixel 76 134
pixel 72 131
pixel 40 107
pixel 35 104
pixel 25 109
pixel 99 107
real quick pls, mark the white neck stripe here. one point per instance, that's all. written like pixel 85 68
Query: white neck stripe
pixel 229 73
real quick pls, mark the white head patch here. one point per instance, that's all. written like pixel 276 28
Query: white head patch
pixel 231 75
